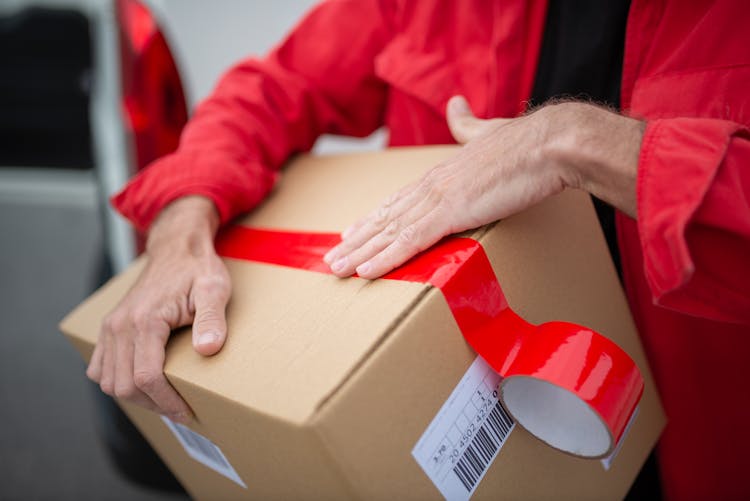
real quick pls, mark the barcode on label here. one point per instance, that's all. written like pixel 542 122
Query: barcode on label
pixel 480 452
pixel 468 432
pixel 203 450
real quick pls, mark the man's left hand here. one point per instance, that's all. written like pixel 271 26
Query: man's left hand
pixel 505 166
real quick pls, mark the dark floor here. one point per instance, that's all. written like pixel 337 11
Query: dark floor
pixel 48 445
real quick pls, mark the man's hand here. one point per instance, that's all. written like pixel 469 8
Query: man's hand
pixel 184 282
pixel 505 166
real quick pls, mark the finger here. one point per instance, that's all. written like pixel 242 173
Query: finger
pixel 107 377
pixel 210 296
pixel 464 126
pixel 412 240
pixel 372 224
pixel 347 265
pixel 124 384
pixel 461 121
pixel 349 231
pixel 94 369
pixel 391 201
pixel 361 231
pixel 148 371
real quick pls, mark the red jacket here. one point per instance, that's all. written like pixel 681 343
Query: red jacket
pixel 352 66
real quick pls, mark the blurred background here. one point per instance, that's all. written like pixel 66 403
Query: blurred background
pixel 91 91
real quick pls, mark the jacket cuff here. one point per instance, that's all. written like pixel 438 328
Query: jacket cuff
pixel 679 160
pixel 238 189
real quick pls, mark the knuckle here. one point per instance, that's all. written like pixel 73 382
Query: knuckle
pixel 431 190
pixel 434 198
pixel 146 380
pixel 391 199
pixel 170 311
pixel 92 373
pixel 392 229
pixel 438 191
pixel 140 318
pixel 108 387
pixel 380 218
pixel 207 315
pixel 409 237
pixel 429 176
pixel 212 284
pixel 113 322
pixel 125 391
pixel 434 175
pixel 107 339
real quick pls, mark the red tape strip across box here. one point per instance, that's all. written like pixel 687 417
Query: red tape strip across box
pixel 568 385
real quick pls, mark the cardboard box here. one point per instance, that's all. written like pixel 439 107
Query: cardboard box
pixel 325 386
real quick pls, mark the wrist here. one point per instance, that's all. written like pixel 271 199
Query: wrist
pixel 187 224
pixel 597 151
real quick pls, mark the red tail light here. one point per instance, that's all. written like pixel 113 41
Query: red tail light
pixel 152 95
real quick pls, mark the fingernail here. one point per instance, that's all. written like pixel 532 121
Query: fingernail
pixel 207 338
pixel 329 256
pixel 347 233
pixel 340 264
pixel 364 269
pixel 459 104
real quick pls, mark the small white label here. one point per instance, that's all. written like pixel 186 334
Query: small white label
pixel 607 461
pixel 468 432
pixel 203 450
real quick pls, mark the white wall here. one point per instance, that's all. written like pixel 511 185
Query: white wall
pixel 209 36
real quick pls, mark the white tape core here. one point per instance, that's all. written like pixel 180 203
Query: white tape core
pixel 556 416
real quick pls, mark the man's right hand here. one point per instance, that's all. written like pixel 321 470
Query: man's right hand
pixel 183 282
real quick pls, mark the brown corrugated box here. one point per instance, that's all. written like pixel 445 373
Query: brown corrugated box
pixel 325 385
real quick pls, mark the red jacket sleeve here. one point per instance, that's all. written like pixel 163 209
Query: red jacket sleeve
pixel 319 80
pixel 694 216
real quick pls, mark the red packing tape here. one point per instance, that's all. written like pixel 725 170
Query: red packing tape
pixel 601 385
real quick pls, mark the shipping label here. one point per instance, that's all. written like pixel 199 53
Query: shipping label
pixel 203 450
pixel 466 435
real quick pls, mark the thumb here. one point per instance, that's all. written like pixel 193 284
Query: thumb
pixel 463 124
pixel 210 323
